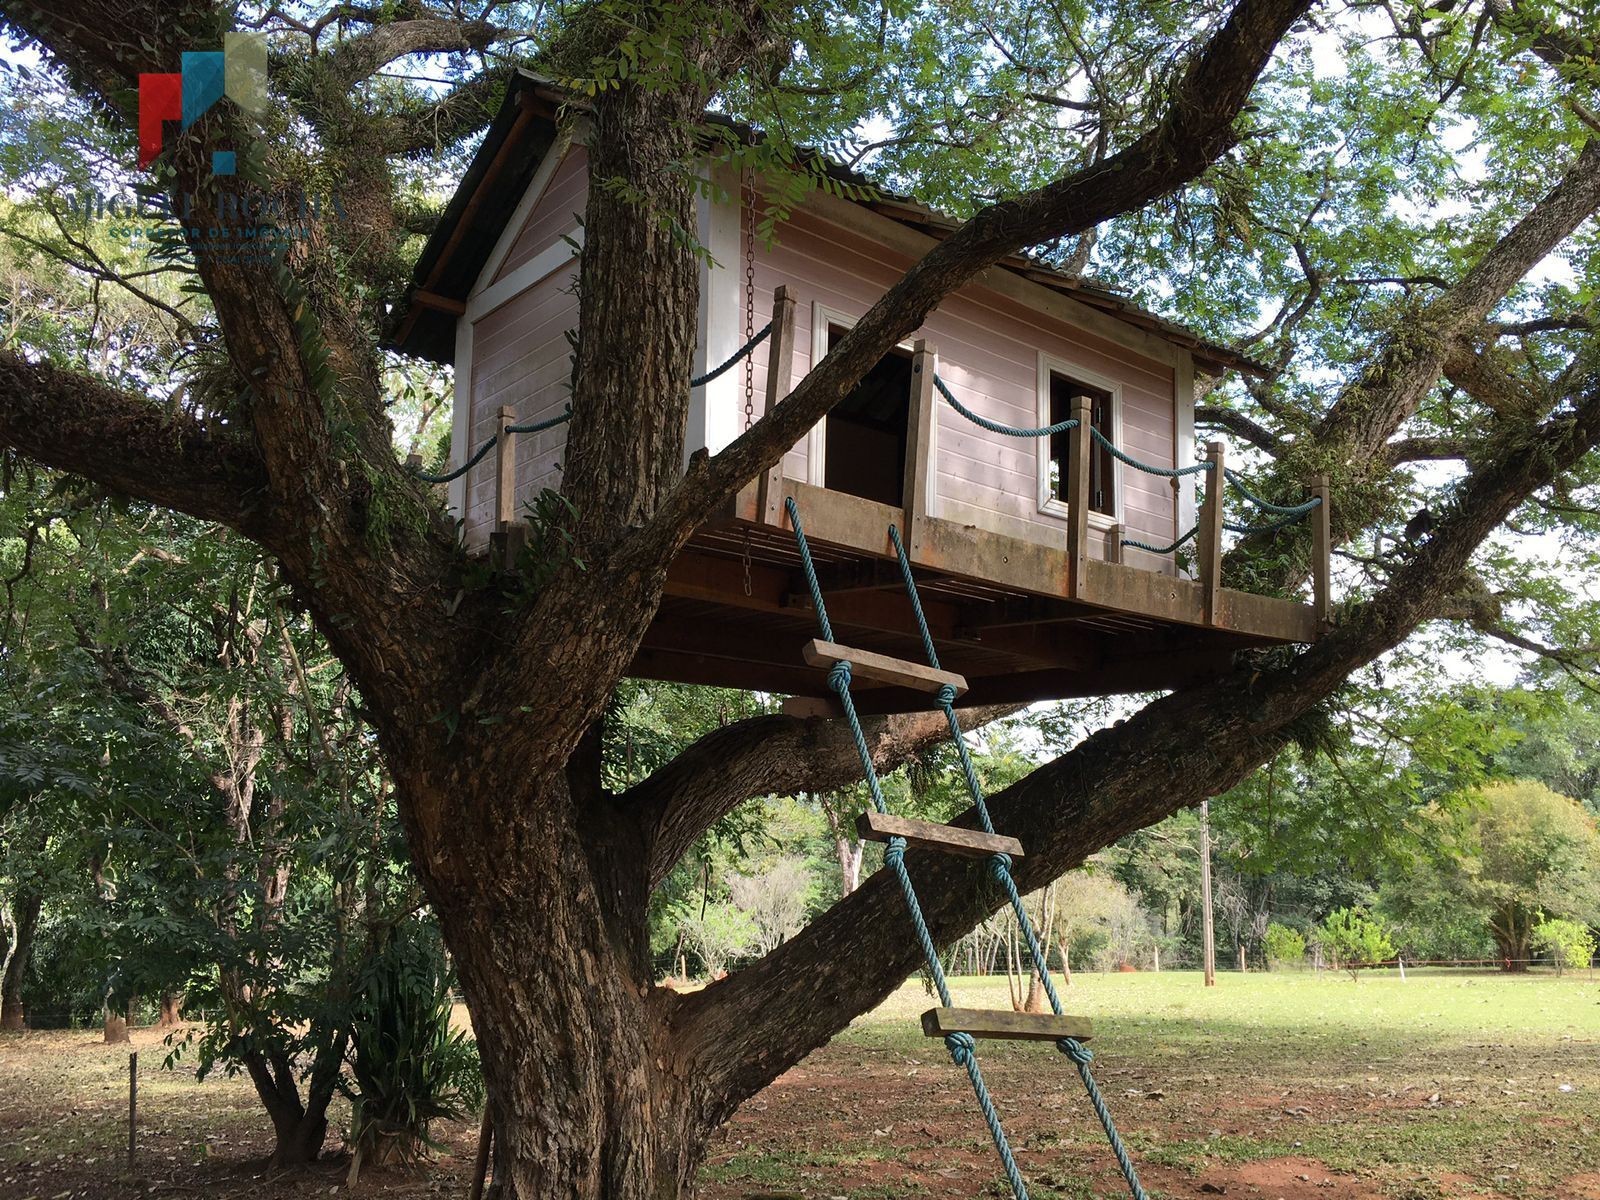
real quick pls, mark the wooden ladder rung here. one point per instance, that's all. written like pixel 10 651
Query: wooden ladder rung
pixel 880 668
pixel 875 826
pixel 1002 1024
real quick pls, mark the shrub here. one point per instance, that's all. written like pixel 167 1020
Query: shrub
pixel 408 1067
pixel 1285 947
pixel 1568 943
pixel 1353 938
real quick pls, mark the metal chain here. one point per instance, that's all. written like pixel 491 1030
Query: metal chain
pixel 745 558
pixel 749 318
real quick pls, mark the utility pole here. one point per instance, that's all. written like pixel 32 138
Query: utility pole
pixel 1208 929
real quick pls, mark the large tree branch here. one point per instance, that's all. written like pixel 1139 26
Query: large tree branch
pixel 772 755
pixel 1258 435
pixel 1174 753
pixel 358 58
pixel 77 423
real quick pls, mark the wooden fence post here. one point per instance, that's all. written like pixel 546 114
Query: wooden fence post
pixel 1210 534
pixel 1080 446
pixel 780 373
pixel 509 533
pixel 133 1103
pixel 1321 552
pixel 919 443
pixel 1114 554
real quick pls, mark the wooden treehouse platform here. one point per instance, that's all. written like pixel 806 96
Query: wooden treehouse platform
pixel 1014 618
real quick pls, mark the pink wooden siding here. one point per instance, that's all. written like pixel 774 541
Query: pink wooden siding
pixel 988 345
pixel 520 357
pixel 557 212
pixel 989 355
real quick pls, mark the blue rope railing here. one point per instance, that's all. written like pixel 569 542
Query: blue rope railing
pixel 995 426
pixel 1149 468
pixel 1293 510
pixel 541 426
pixel 743 350
pixel 1167 549
pixel 494 438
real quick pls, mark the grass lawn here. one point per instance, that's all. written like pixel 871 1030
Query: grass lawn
pixel 1283 1085
pixel 1288 1086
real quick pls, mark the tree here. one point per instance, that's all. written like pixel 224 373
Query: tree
pixel 1284 947
pixel 1353 938
pixel 775 899
pixel 489 692
pixel 1524 851
pixel 1568 943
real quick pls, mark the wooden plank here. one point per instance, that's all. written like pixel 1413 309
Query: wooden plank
pixel 434 300
pixel 844 520
pixel 880 668
pixel 919 444
pixel 808 707
pixel 1080 450
pixel 1321 553
pixel 1210 535
pixel 1266 617
pixel 780 372
pixel 505 468
pixel 1004 1025
pixel 875 826
pixel 508 535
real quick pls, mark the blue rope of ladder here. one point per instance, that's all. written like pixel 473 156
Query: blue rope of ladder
pixel 962 1048
pixel 1000 869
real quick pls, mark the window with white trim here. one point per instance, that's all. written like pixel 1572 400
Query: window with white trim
pixel 1102 466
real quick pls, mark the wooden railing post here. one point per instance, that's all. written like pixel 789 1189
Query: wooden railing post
pixel 509 533
pixel 919 444
pixel 1210 535
pixel 1080 446
pixel 780 373
pixel 1321 552
pixel 1114 544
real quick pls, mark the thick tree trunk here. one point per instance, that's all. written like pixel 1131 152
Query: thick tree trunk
pixel 171 1010
pixel 299 1129
pixel 591 1091
pixel 1512 929
pixel 116 1028
pixel 24 921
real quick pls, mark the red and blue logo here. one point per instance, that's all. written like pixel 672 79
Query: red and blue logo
pixel 237 71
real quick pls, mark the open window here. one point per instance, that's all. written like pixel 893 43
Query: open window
pixel 865 433
pixel 1102 467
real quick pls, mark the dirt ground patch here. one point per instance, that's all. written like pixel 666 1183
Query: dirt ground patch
pixel 1327 1092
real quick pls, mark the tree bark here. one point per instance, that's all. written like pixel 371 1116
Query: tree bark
pixel 171 1010
pixel 25 908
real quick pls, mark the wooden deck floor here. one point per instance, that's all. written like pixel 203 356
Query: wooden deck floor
pixel 1005 613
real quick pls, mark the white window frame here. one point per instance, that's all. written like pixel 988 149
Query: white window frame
pixel 1051 365
pixel 817 437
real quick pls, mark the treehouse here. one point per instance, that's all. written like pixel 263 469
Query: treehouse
pixel 1032 445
